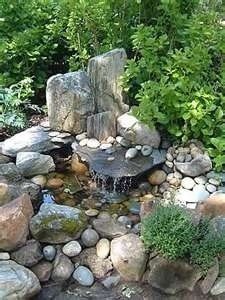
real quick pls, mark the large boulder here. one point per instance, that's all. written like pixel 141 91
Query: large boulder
pixel 136 132
pixel 172 277
pixel 101 125
pixel 17 282
pixel 104 72
pixel 198 166
pixel 128 256
pixel 34 163
pixel 14 222
pixel 34 139
pixel 70 101
pixel 57 223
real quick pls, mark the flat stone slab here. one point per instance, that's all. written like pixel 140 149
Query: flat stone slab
pixel 100 163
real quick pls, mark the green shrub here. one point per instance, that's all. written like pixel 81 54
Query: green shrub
pixel 178 76
pixel 169 230
pixel 13 104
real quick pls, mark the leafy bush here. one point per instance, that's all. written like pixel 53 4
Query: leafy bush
pixel 13 103
pixel 177 76
pixel 170 231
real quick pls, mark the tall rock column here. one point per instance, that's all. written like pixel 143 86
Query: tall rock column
pixel 70 101
pixel 104 72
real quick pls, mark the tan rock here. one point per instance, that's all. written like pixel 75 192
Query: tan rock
pixel 39 180
pixel 78 167
pixel 54 183
pixel 213 206
pixel 4 193
pixel 157 177
pixel 14 222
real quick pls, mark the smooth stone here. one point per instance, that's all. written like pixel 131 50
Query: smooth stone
pixel 84 276
pixel 181 157
pixel 5 196
pixel 4 256
pixel 110 140
pixel 211 188
pixel 214 181
pixel 89 237
pixel 42 270
pixel 187 183
pixel 105 146
pixel 111 281
pixel 14 222
pixel 29 254
pixel 183 196
pixel 49 252
pixel 219 287
pixel 157 177
pixel 200 179
pixel 17 282
pixel 93 143
pixel 39 180
pixel 129 257
pixel 125 220
pixel 146 150
pixel 103 248
pixel 191 205
pixel 54 183
pixel 83 142
pixel 188 157
pixel 177 175
pixel 131 153
pixel 138 147
pixel 169 164
pixel 91 212
pixel 81 136
pixel 53 133
pixel 72 249
pixel 200 192
pixel 109 228
pixel 123 142
pixel 77 166
pixel 62 268
pixel 169 156
pixel 134 207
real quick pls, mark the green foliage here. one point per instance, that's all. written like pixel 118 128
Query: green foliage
pixel 171 232
pixel 13 103
pixel 177 76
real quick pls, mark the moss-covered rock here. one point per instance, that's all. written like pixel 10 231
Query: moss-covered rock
pixel 57 223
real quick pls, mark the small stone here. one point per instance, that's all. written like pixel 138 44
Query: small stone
pixel 219 287
pixel 90 237
pixel 131 153
pixel 214 181
pixel 138 147
pixel 110 140
pixel 91 212
pixel 157 177
pixel 103 248
pixel 187 183
pixel 144 187
pixel 42 270
pixel 44 124
pixel 62 268
pixel 181 157
pixel 78 167
pixel 83 142
pixel 54 183
pixel 4 193
pixel 81 136
pixel 110 151
pixel 134 207
pixel 93 143
pixel 72 249
pixel 164 187
pixel 4 256
pixel 39 180
pixel 111 158
pixel 125 221
pixel 188 157
pixel 136 229
pixel 146 150
pixel 210 188
pixel 169 177
pixel 122 141
pixel 200 179
pixel 200 193
pixel 175 182
pixel 169 164
pixel 105 146
pixel 84 276
pixel 191 205
pixel 177 175
pixel 111 281
pixel 169 156
pixel 49 252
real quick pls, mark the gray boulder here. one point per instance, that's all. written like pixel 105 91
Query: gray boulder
pixel 34 163
pixel 104 72
pixel 10 172
pixel 17 282
pixel 128 256
pixel 101 125
pixel 62 268
pixel 135 131
pixel 33 139
pixel 172 277
pixel 70 101
pixel 198 166
pixel 57 223
pixel 109 228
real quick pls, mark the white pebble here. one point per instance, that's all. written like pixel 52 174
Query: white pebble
pixel 210 188
pixel 131 153
pixel 72 249
pixel 187 183
pixel 93 143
